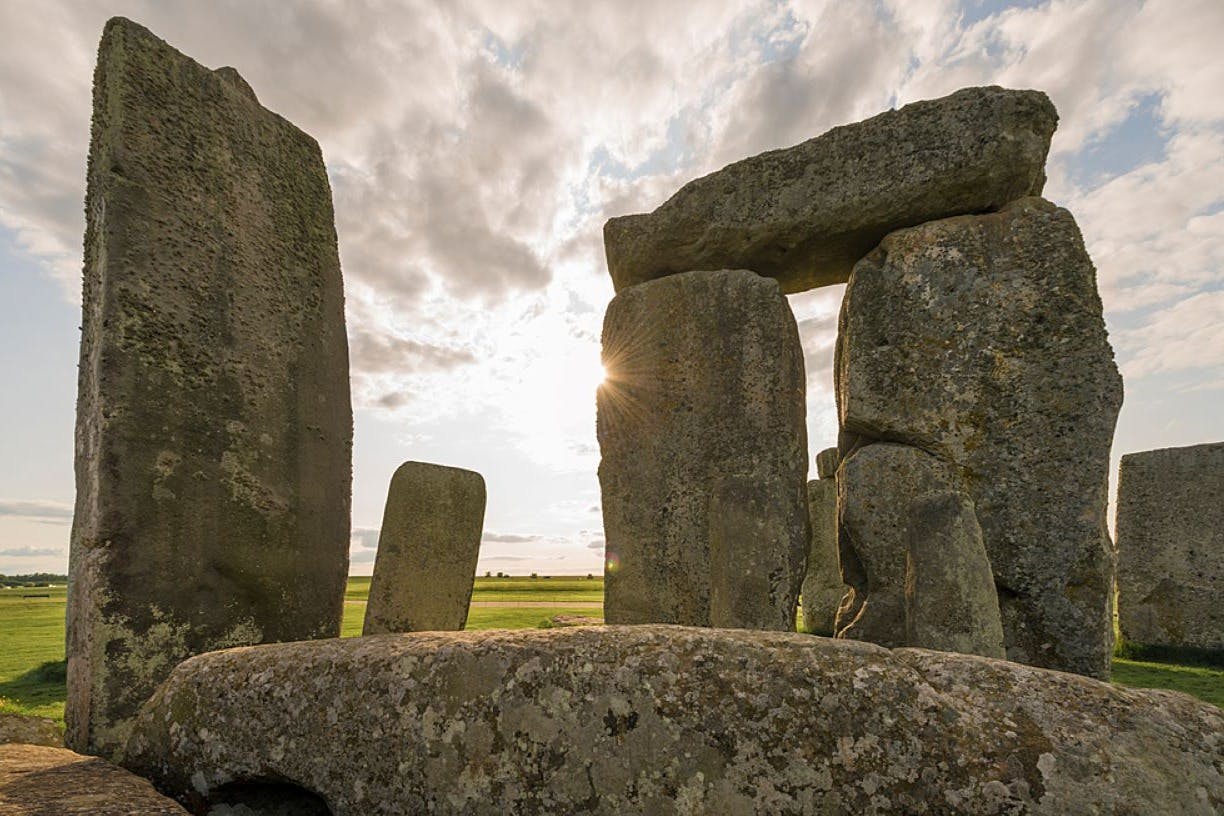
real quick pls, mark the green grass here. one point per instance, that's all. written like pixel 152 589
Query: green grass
pixel 32 639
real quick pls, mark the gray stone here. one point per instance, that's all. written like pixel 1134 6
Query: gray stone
pixel 427 550
pixel 826 463
pixel 1171 547
pixel 705 378
pixel 981 340
pixel 214 426
pixel 950 599
pixel 756 561
pixel 822 584
pixel 29 730
pixel 876 486
pixel 40 780
pixel 659 719
pixel 806 214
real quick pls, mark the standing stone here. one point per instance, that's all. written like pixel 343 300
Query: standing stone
pixel 705 378
pixel 427 550
pixel 214 426
pixel 981 340
pixel 950 599
pixel 754 560
pixel 1171 548
pixel 826 463
pixel 806 214
pixel 822 585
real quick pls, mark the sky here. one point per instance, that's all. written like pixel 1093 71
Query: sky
pixel 476 147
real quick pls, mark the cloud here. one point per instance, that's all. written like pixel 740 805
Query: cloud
pixel 51 512
pixel 508 538
pixel 364 538
pixel 597 544
pixel 506 558
pixel 30 552
pixel 363 557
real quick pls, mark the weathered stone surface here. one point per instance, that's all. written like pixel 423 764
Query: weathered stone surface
pixel 28 730
pixel 826 463
pixel 756 562
pixel 39 780
pixel 214 426
pixel 655 719
pixel 876 486
pixel 806 214
pixel 1171 547
pixel 981 340
pixel 705 378
pixel 822 584
pixel 950 599
pixel 427 550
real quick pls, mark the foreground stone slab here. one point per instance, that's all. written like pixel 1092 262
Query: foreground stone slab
pixel 981 340
pixel 214 426
pixel 1171 547
pixel 656 719
pixel 427 550
pixel 705 382
pixel 37 780
pixel 822 584
pixel 806 214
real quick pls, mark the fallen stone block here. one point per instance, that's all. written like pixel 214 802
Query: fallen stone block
pixel 705 378
pixel 806 214
pixel 427 550
pixel 1171 548
pixel 39 780
pixel 214 425
pixel 656 719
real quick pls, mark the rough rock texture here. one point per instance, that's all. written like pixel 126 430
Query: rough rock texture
pixel 657 719
pixel 705 379
pixel 806 214
pixel 756 563
pixel 950 599
pixel 876 487
pixel 29 730
pixel 214 426
pixel 822 584
pixel 826 463
pixel 981 340
pixel 1171 547
pixel 38 780
pixel 427 550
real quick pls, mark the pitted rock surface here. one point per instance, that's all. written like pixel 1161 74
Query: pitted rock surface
pixel 1171 547
pixel 806 214
pixel 428 546
pixel 669 720
pixel 38 780
pixel 822 584
pixel 705 383
pixel 214 426
pixel 980 339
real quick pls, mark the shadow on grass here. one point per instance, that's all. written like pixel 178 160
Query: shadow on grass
pixel 40 686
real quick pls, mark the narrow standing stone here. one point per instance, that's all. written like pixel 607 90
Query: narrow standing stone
pixel 1171 547
pixel 214 426
pixel 427 550
pixel 822 585
pixel 705 378
pixel 950 599
pixel 981 339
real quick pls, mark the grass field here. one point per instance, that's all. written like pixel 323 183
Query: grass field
pixel 32 638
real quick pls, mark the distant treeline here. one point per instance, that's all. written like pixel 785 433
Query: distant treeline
pixel 33 579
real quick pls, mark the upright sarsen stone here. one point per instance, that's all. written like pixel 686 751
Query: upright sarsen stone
pixel 806 214
pixel 214 425
pixel 705 380
pixel 427 550
pixel 1171 548
pixel 980 339
pixel 822 584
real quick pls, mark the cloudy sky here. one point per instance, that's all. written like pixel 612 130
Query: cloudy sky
pixel 475 149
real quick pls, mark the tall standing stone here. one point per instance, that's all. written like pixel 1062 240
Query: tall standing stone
pixel 214 426
pixel 1171 548
pixel 806 214
pixel 980 339
pixel 822 584
pixel 427 550
pixel 705 379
